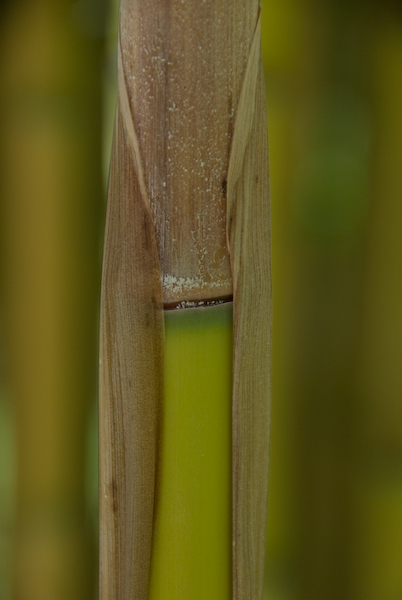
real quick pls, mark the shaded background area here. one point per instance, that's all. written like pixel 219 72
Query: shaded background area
pixel 334 88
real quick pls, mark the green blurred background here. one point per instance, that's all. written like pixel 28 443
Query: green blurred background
pixel 334 90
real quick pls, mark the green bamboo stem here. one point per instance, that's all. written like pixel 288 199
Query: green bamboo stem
pixel 192 535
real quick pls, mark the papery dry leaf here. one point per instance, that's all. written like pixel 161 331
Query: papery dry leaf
pixel 248 226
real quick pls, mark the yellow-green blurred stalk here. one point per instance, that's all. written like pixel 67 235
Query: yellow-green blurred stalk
pixel 51 205
pixel 335 128
pixel 379 483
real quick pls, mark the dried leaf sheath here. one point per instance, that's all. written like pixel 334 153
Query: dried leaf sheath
pixel 131 379
pixel 248 227
pixel 184 64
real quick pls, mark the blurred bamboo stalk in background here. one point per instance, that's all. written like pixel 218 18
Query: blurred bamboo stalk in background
pixel 335 112
pixel 50 80
pixel 331 197
pixel 378 551
pixel 289 43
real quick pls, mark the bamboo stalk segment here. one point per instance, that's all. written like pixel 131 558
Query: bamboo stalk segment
pixel 187 226
pixel 192 540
